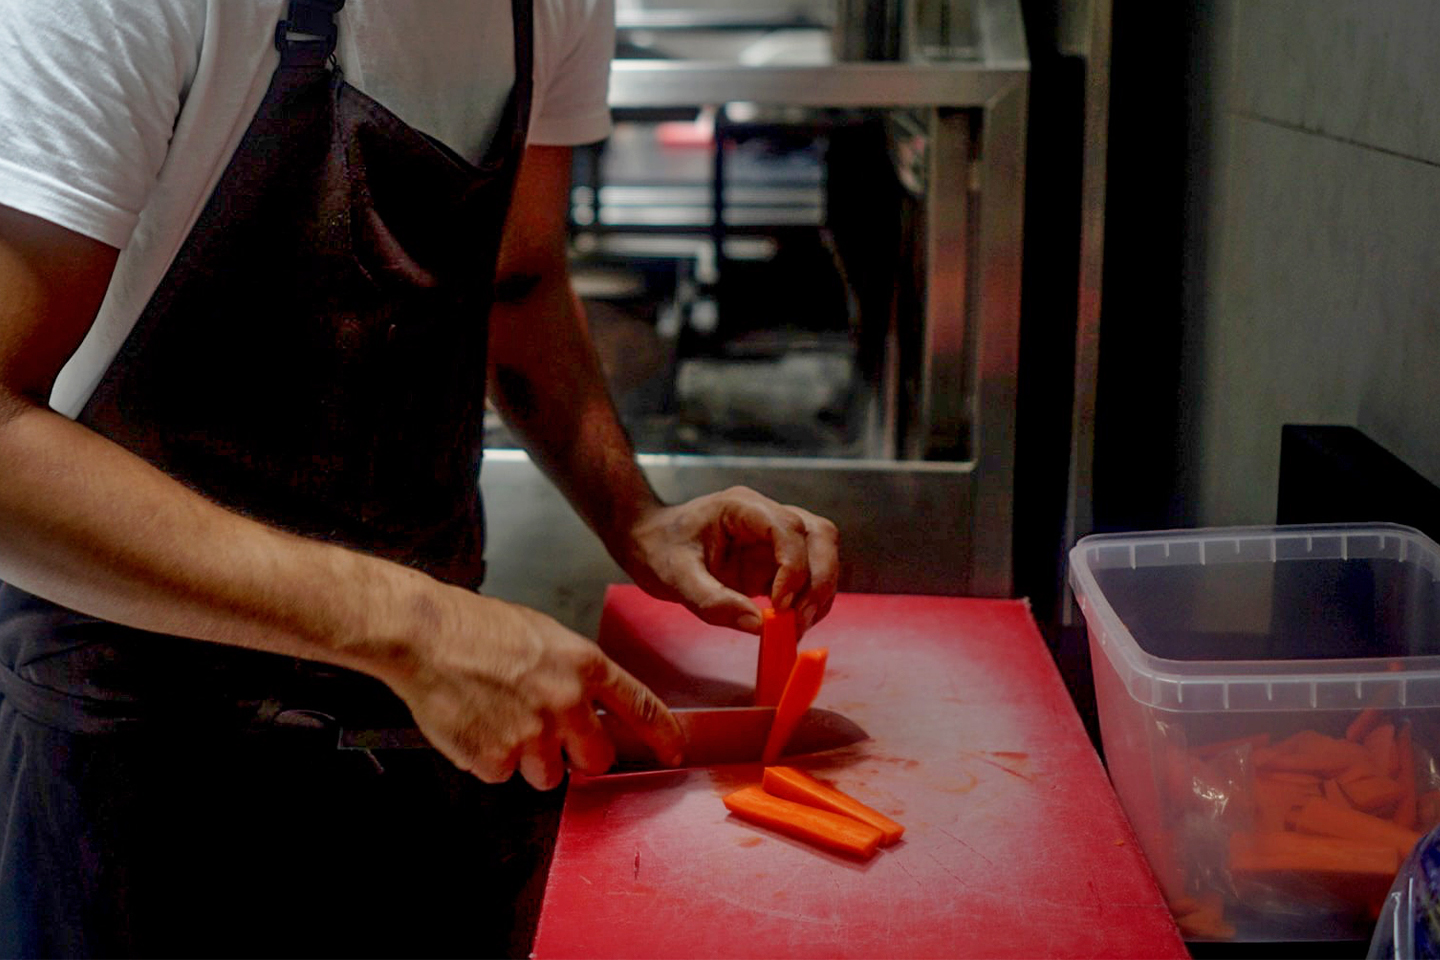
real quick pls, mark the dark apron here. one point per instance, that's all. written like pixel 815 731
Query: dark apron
pixel 315 359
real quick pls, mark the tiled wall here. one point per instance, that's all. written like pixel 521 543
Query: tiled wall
pixel 1315 238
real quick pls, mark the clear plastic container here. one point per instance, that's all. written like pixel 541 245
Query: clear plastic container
pixel 1245 676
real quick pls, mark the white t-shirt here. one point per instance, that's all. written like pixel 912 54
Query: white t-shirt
pixel 117 117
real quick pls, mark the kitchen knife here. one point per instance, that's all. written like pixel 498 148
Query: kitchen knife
pixel 713 735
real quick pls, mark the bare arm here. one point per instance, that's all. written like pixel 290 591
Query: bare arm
pixel 88 525
pixel 712 553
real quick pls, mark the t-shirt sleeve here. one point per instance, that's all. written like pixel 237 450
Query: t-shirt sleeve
pixel 89 93
pixel 573 73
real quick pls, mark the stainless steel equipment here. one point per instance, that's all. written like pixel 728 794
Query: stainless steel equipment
pixel 928 506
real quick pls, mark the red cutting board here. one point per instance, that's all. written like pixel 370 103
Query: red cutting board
pixel 1015 844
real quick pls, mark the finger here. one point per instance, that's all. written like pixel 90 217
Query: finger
pixel 492 773
pixel 785 530
pixel 712 601
pixel 540 765
pixel 641 711
pixel 823 547
pixel 587 746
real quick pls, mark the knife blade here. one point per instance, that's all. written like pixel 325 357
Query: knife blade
pixel 713 735
pixel 716 735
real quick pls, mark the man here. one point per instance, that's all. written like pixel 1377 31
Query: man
pixel 243 346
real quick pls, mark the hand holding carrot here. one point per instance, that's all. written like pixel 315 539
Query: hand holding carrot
pixel 715 552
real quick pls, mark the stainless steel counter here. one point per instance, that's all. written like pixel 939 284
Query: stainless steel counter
pixel 910 523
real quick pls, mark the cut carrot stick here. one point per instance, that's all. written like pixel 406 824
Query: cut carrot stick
pixel 1206 923
pixel 1365 721
pixel 1334 793
pixel 1377 795
pixel 1359 873
pixel 1280 850
pixel 1322 817
pixel 1277 800
pixel 777 655
pixel 1380 742
pixel 800 691
pixel 1312 752
pixel 791 784
pixel 1210 751
pixel 833 831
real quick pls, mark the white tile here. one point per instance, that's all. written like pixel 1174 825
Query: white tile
pixel 1367 71
pixel 1322 305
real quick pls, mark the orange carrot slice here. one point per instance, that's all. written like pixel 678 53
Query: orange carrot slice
pixel 1357 872
pixel 1380 742
pixel 833 831
pixel 1312 752
pixel 1365 721
pixel 777 655
pixel 1377 795
pixel 800 691
pixel 1207 923
pixel 791 784
pixel 1335 794
pixel 1327 819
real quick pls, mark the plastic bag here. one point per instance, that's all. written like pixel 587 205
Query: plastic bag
pixel 1409 924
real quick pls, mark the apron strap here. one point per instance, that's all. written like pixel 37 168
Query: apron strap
pixel 307 35
pixel 63 711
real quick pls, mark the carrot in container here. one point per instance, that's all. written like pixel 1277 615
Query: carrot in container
pixel 800 691
pixel 1327 819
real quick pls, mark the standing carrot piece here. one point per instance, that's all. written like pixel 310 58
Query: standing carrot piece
pixel 778 640
pixel 800 691
pixel 838 833
pixel 791 784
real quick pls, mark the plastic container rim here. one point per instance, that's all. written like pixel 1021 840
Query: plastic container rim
pixel 1129 659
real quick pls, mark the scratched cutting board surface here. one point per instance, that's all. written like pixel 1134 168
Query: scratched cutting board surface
pixel 1014 846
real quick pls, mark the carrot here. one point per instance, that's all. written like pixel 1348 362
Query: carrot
pixel 833 831
pixel 1312 752
pixel 1334 793
pixel 791 784
pixel 1321 817
pixel 1358 872
pixel 1375 795
pixel 800 691
pixel 1276 800
pixel 1380 743
pixel 1281 850
pixel 777 655
pixel 1365 721
pixel 1207 922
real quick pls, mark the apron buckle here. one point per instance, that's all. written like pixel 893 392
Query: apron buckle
pixel 308 33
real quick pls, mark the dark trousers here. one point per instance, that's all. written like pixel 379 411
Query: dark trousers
pixel 208 842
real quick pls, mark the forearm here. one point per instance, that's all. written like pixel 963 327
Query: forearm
pixel 548 384
pixel 90 526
